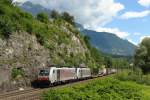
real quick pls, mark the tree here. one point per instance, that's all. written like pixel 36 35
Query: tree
pixel 6 26
pixel 55 15
pixel 142 55
pixel 43 17
pixel 67 17
pixel 86 40
pixel 108 61
pixel 5 1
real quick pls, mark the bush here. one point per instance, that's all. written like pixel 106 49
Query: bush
pixel 55 15
pixel 67 17
pixel 16 72
pixel 42 17
pixel 106 89
pixel 136 75
pixel 6 26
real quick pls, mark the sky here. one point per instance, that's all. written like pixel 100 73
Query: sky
pixel 128 19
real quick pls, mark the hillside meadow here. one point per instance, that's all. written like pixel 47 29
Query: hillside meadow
pixel 100 89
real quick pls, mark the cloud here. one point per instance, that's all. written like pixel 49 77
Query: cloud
pixel 145 3
pixel 129 15
pixel 130 40
pixel 115 31
pixel 137 34
pixel 89 13
pixel 20 1
pixel 142 37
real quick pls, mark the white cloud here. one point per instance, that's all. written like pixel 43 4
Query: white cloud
pixel 130 40
pixel 145 3
pixel 89 13
pixel 142 37
pixel 129 15
pixel 137 34
pixel 115 31
pixel 20 1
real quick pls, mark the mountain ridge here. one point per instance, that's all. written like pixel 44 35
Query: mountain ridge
pixel 106 42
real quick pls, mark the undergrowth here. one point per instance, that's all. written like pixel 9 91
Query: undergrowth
pixel 105 89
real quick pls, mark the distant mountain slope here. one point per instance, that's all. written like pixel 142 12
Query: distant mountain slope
pixel 33 8
pixel 110 43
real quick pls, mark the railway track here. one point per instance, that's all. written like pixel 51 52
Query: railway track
pixel 35 94
pixel 17 95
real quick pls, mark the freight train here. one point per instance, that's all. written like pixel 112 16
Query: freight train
pixel 54 75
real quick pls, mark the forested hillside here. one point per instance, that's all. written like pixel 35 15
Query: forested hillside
pixel 30 43
pixel 106 42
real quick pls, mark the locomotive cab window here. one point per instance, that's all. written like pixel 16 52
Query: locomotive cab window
pixel 53 71
pixel 44 73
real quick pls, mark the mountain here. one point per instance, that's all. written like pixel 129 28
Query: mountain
pixel 108 43
pixel 33 8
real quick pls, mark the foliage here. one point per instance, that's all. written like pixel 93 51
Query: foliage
pixel 135 75
pixel 55 15
pixel 86 39
pixel 105 89
pixel 16 72
pixel 55 35
pixel 120 63
pixel 6 26
pixel 6 2
pixel 97 57
pixel 67 17
pixel 108 61
pixel 142 55
pixel 42 17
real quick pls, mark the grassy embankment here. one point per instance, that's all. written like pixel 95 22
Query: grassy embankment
pixel 101 89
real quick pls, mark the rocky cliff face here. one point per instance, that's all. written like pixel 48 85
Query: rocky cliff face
pixel 23 50
pixel 28 43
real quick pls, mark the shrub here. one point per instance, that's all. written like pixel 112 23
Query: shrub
pixel 42 17
pixel 67 17
pixel 16 72
pixel 55 15
pixel 106 89
pixel 136 75
pixel 6 26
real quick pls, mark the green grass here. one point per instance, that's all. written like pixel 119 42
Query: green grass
pixel 133 75
pixel 100 89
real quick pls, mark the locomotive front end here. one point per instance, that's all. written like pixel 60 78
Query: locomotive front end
pixel 43 77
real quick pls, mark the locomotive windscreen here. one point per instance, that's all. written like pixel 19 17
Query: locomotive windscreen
pixel 44 73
